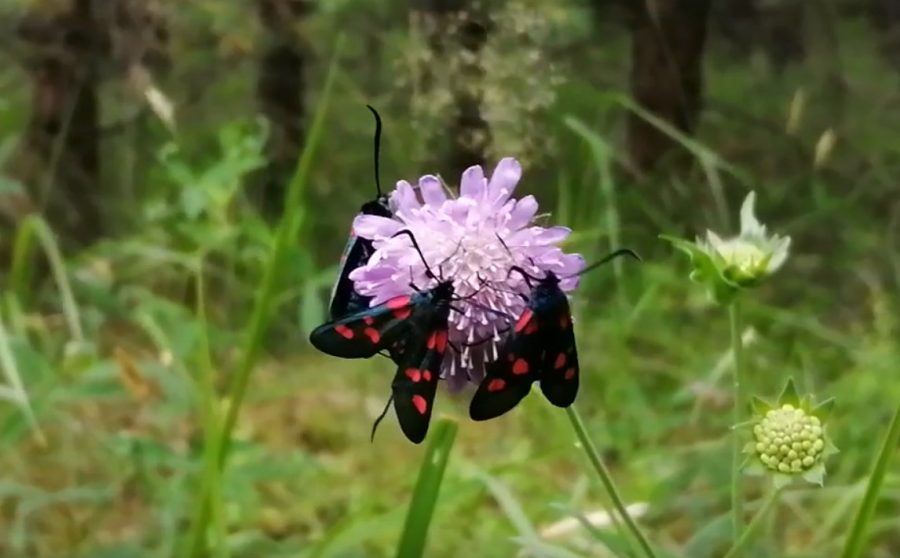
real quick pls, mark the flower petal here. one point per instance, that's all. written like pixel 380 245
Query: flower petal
pixel 373 226
pixel 779 252
pixel 540 236
pixel 432 190
pixel 523 212
pixel 404 197
pixel 473 184
pixel 750 226
pixel 503 180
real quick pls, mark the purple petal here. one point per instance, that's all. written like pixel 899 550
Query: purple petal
pixel 372 226
pixel 432 191
pixel 504 179
pixel 523 212
pixel 404 197
pixel 539 236
pixel 472 184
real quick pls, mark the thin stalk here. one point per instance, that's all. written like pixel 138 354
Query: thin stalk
pixel 856 540
pixel 755 524
pixel 263 305
pixel 428 487
pixel 737 494
pixel 594 456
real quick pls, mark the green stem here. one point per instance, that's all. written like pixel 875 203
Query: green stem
pixel 428 487
pixel 737 349
pixel 286 234
pixel 755 524
pixel 605 478
pixel 856 541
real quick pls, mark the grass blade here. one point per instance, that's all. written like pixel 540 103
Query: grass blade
pixel 856 540
pixel 294 214
pixel 428 486
pixel 21 270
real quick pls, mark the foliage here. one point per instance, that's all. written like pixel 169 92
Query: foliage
pixel 103 432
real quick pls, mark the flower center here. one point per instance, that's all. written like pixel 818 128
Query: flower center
pixel 789 440
pixel 744 255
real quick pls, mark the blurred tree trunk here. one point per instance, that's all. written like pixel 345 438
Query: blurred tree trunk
pixel 280 88
pixel 885 17
pixel 666 72
pixel 458 29
pixel 775 28
pixel 59 154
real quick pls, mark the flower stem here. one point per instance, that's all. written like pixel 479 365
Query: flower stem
pixel 737 495
pixel 606 479
pixel 755 524
pixel 856 540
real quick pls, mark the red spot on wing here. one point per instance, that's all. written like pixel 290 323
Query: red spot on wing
pixel 560 360
pixel 420 404
pixel 438 341
pixel 426 375
pixel 413 374
pixel 369 320
pixel 372 334
pixel 524 319
pixel 532 327
pixel 398 302
pixel 496 384
pixel 344 331
pixel 402 313
pixel 520 367
pixel 570 373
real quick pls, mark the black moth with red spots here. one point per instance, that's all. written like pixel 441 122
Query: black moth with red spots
pixel 540 348
pixel 413 328
pixel 344 298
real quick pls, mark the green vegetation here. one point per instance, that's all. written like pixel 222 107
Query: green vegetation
pixel 132 366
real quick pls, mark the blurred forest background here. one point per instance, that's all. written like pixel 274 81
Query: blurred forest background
pixel 146 143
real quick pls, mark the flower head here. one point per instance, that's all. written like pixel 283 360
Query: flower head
pixel 473 239
pixel 789 438
pixel 728 265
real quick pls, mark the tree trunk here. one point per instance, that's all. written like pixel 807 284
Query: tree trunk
pixel 59 154
pixel 666 73
pixel 885 17
pixel 458 29
pixel 280 90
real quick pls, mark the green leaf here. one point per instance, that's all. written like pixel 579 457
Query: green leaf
pixel 823 409
pixel 760 406
pixel 428 486
pixel 780 480
pixel 789 394
pixel 816 475
pixel 856 540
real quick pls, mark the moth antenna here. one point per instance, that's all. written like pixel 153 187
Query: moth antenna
pixel 492 285
pixel 380 418
pixel 503 243
pixel 447 259
pixel 377 149
pixel 407 232
pixel 608 258
pixel 528 277
pixel 488 309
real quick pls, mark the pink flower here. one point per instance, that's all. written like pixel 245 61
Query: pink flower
pixel 460 239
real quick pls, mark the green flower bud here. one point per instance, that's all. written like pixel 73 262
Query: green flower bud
pixel 797 439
